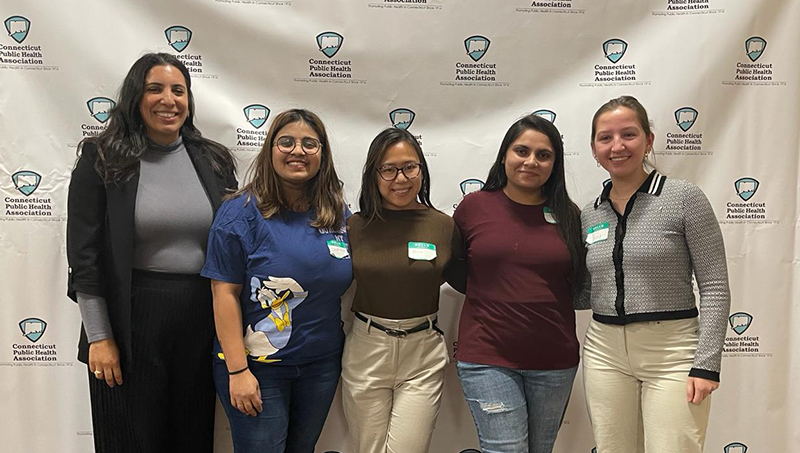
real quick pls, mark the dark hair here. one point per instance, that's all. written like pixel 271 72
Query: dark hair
pixel 566 212
pixel 637 108
pixel 121 145
pixel 323 192
pixel 370 202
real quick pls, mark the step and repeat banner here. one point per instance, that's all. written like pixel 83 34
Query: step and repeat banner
pixel 718 77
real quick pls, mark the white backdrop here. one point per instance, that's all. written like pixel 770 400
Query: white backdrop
pixel 719 78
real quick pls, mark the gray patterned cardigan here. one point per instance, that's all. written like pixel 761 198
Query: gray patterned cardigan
pixel 643 270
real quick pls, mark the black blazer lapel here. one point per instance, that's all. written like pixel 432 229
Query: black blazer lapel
pixel 208 178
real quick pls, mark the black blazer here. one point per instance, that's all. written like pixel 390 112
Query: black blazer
pixel 100 235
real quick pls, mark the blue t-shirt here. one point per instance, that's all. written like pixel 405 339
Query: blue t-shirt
pixel 292 277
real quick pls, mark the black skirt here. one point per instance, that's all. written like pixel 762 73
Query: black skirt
pixel 166 402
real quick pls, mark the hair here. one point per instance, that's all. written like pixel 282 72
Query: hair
pixel 637 108
pixel 121 145
pixel 566 212
pixel 370 201
pixel 323 192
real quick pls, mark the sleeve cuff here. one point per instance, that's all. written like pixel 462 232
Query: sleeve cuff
pixel 705 374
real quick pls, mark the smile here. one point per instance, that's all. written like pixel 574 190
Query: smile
pixel 402 191
pixel 619 159
pixel 166 115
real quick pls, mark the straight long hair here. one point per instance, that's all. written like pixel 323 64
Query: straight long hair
pixel 370 201
pixel 566 212
pixel 323 192
pixel 121 145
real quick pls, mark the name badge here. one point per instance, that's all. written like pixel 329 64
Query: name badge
pixel 597 233
pixel 548 216
pixel 421 251
pixel 338 249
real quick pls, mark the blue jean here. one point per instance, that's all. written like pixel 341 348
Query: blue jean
pixel 516 411
pixel 295 400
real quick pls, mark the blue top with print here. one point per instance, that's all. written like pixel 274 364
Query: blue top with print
pixel 292 277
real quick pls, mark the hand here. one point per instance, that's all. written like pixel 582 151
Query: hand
pixel 697 389
pixel 104 361
pixel 245 393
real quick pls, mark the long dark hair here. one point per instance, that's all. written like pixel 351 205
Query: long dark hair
pixel 121 145
pixel 566 212
pixel 323 192
pixel 370 201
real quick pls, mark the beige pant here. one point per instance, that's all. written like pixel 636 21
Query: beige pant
pixel 392 387
pixel 635 379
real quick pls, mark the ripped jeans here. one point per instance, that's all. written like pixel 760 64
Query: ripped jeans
pixel 516 411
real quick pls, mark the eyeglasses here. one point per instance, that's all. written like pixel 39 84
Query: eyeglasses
pixel 308 145
pixel 389 172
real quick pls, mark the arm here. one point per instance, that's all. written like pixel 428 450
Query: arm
pixel 86 213
pixel 707 253
pixel 455 273
pixel 245 392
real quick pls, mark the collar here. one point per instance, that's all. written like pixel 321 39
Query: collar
pixel 652 185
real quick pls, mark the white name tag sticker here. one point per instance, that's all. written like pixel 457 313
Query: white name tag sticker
pixel 597 233
pixel 548 216
pixel 338 249
pixel 421 251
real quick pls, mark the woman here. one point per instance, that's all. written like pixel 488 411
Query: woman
pixel 643 353
pixel 141 201
pixel 395 355
pixel 524 254
pixel 279 262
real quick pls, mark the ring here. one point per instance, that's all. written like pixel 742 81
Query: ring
pixel 98 373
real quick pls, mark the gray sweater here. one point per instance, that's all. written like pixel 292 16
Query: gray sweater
pixel 171 221
pixel 642 270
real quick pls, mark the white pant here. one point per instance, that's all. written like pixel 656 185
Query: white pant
pixel 392 387
pixel 635 379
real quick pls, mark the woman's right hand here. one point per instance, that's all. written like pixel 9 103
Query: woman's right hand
pixel 104 361
pixel 245 393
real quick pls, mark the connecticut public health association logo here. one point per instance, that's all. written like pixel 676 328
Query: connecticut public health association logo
pixel 402 118
pixel 26 181
pixel 735 447
pixel 17 28
pixel 330 43
pixel 754 47
pixel 32 328
pixel 100 108
pixel 178 37
pixel 614 49
pixel 746 188
pixel 685 118
pixel 256 115
pixel 740 322
pixel 549 115
pixel 477 46
pixel 32 350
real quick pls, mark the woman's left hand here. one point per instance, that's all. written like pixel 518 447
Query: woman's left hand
pixel 697 389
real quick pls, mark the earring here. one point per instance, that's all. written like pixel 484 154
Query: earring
pixel 598 164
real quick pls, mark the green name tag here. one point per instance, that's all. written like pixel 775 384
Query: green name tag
pixel 548 215
pixel 338 249
pixel 597 233
pixel 422 251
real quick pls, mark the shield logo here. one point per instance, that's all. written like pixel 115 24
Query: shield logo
pixel 754 47
pixel 402 118
pixel 100 108
pixel 329 43
pixel 26 181
pixel 476 46
pixel 685 117
pixel 614 49
pixel 32 328
pixel 594 449
pixel 549 115
pixel 178 37
pixel 746 188
pixel 256 114
pixel 736 447
pixel 471 185
pixel 740 322
pixel 18 28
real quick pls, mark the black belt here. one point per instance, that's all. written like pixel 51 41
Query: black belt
pixel 401 333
